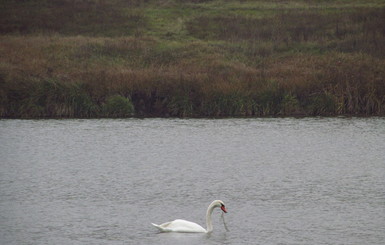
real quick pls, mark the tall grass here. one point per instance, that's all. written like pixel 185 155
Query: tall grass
pixel 72 17
pixel 251 58
pixel 351 30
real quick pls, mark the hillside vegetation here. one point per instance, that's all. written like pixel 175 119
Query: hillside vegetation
pixel 191 58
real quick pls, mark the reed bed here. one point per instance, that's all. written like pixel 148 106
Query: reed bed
pixel 251 58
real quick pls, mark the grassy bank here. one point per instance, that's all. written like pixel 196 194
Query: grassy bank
pixel 197 58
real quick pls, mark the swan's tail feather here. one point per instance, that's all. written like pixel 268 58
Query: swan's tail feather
pixel 163 227
pixel 157 226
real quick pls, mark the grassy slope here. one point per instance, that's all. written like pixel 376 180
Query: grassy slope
pixel 71 58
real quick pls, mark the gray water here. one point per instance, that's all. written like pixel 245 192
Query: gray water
pixel 284 181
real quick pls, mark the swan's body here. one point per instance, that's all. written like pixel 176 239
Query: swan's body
pixel 180 225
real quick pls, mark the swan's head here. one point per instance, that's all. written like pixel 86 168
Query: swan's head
pixel 220 204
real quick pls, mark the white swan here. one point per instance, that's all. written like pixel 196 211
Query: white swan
pixel 180 225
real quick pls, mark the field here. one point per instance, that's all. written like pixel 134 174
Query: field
pixel 191 58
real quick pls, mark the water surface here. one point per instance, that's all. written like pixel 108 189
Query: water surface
pixel 284 181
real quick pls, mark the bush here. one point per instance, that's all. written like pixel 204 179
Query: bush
pixel 118 106
pixel 52 98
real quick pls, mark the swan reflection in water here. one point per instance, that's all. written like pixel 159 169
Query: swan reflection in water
pixel 180 225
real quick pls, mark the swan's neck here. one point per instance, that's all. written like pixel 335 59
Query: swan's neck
pixel 209 223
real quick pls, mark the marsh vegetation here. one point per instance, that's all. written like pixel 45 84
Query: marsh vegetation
pixel 192 58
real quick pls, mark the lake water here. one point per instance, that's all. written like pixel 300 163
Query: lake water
pixel 283 180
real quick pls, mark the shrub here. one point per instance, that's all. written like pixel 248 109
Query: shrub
pixel 118 106
pixel 52 98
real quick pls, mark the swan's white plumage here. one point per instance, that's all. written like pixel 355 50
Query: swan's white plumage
pixel 180 225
